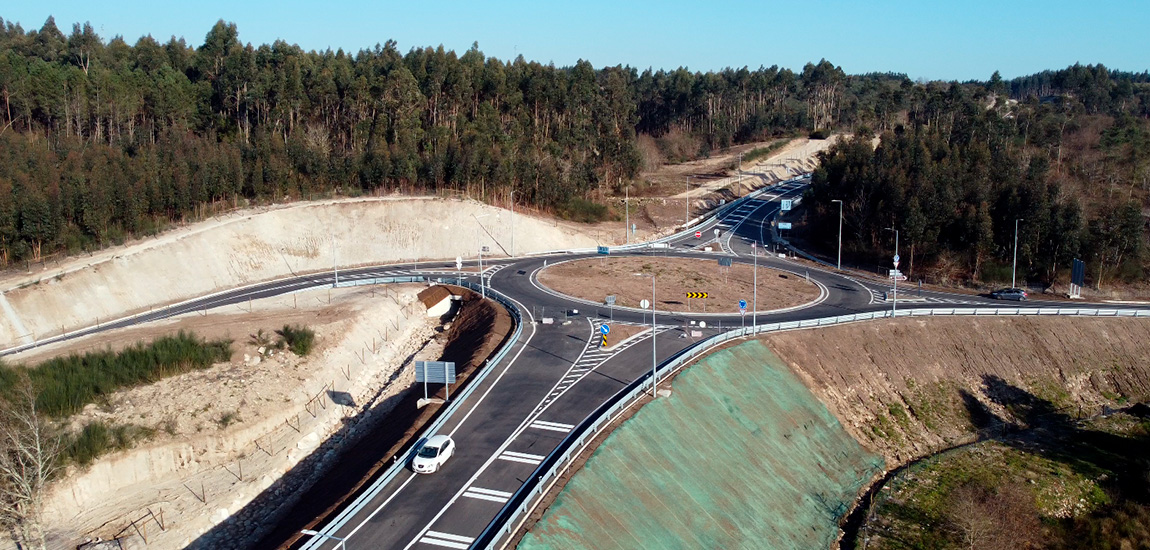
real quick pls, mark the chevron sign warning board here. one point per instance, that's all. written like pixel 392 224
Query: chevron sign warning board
pixel 696 294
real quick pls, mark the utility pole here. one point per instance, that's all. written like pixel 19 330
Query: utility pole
pixel 840 262
pixel 1014 267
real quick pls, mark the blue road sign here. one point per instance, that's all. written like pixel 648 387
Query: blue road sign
pixel 742 304
pixel 604 250
pixel 605 329
pixel 784 225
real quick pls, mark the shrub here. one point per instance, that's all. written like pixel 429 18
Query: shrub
pixel 65 384
pixel 298 339
pixel 583 211
pixel 97 438
pixel 819 134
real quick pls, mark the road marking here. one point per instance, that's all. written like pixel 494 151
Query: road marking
pixel 447 540
pixel 487 494
pixel 553 426
pixel 521 457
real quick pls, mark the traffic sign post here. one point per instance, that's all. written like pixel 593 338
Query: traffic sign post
pixel 743 312
pixel 458 268
pixel 604 330
pixel 611 306
pixel 894 293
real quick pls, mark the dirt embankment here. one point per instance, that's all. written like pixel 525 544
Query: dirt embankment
pixel 263 244
pixel 262 423
pixel 909 388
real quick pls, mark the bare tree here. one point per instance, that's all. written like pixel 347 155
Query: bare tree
pixel 29 458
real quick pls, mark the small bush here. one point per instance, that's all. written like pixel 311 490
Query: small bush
pixel 583 211
pixel 98 438
pixel 298 339
pixel 763 152
pixel 819 134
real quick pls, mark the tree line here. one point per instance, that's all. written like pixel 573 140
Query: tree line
pixel 1064 154
pixel 101 140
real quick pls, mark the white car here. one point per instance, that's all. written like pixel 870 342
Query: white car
pixel 431 456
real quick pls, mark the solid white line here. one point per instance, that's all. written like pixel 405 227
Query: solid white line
pixel 518 459
pixel 449 536
pixel 481 496
pixel 377 510
pixel 448 544
pixel 491 492
pixel 551 428
pixel 554 424
pixel 523 455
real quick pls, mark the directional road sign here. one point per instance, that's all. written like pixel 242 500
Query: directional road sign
pixel 605 329
pixel 725 262
pixel 896 274
pixel 696 294
pixel 784 225
pixel 435 372
pixel 604 250
pixel 786 205
pixel 610 301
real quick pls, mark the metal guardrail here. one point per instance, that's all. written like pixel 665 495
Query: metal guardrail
pixel 498 532
pixel 395 469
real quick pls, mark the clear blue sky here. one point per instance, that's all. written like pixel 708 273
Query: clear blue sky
pixel 930 39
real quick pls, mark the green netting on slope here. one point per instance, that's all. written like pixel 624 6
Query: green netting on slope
pixel 741 456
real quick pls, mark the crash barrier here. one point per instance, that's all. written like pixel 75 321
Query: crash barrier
pixel 499 531
pixel 401 463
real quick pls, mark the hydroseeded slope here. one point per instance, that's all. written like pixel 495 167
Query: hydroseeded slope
pixel 742 455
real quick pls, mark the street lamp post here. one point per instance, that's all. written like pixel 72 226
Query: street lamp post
pixel 840 262
pixel 482 287
pixel 755 303
pixel 342 542
pixel 686 207
pixel 1014 267
pixel 894 302
pixel 654 364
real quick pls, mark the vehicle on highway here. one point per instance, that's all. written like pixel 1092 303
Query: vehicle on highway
pixel 1009 294
pixel 431 456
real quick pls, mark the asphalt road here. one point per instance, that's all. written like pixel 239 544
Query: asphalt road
pixel 554 376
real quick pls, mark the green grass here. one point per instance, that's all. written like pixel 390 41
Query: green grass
pixel 65 385
pixel 299 339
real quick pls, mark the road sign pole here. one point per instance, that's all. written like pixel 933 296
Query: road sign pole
pixel 654 371
pixel 446 384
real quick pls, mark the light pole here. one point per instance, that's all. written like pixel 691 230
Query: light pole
pixel 894 302
pixel 627 207
pixel 654 364
pixel 840 263
pixel 755 303
pixel 342 542
pixel 686 208
pixel 482 288
pixel 1014 267
pixel 512 223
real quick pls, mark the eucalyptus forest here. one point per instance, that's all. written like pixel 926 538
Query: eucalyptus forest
pixel 102 140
